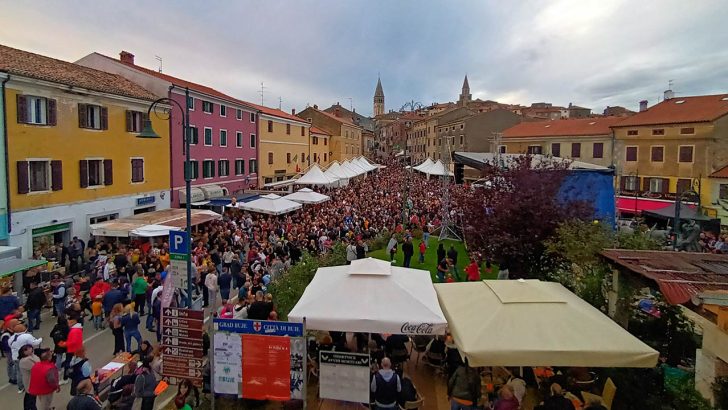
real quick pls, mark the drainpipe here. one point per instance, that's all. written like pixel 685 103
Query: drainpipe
pixel 5 143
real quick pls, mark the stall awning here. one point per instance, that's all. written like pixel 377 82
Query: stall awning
pixel 168 218
pixel 219 202
pixel 212 191
pixel 10 266
pixel 632 204
pixel 196 193
pixel 535 323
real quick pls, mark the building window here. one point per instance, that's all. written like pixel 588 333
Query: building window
pixel 325 157
pixel 223 110
pixel 576 150
pixel 103 218
pixel 303 157
pixel 598 150
pixel 556 149
pixel 252 117
pixel 462 139
pixel 223 138
pixel 723 192
pixel 270 158
pixel 631 183
pixel 93 173
pixel 658 131
pixel 39 176
pixel 208 169
pixel 36 110
pixel 633 133
pixel 683 184
pixel 195 168
pixel 208 137
pixel 687 131
pixel 501 149
pixel 134 121
pixel 315 155
pixel 207 107
pixel 239 166
pixel 346 133
pixel 325 143
pixel 657 154
pixel 191 103
pixel 137 170
pixel 93 117
pixel 630 154
pixel 253 166
pixel 239 114
pixel 288 158
pixel 534 149
pixel 288 129
pixel 658 185
pixel 194 135
pixel 223 168
pixel 314 140
pixel 239 139
pixel 685 153
pixel 303 131
pixel 252 140
pixel 270 126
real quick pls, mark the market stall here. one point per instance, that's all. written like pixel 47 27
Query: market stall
pixel 270 204
pixel 334 171
pixel 307 196
pixel 535 323
pixel 152 224
pixel 314 176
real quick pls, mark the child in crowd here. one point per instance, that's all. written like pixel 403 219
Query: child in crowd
pixel 97 310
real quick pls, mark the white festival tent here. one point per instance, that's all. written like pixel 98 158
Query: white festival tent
pixel 307 196
pixel 334 171
pixel 362 162
pixel 370 296
pixel 270 204
pixel 356 167
pixel 535 323
pixel 314 176
pixel 350 172
pixel 424 165
pixel 437 169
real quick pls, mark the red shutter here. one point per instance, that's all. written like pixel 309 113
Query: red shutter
pixel 56 175
pixel 83 173
pixel 22 109
pixel 82 116
pixel 129 121
pixel 108 172
pixel 104 114
pixel 51 114
pixel 23 183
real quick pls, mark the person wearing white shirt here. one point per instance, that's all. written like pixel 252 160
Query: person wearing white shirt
pixel 17 341
pixel 211 285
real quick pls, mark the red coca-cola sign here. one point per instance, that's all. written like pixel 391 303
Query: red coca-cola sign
pixel 417 329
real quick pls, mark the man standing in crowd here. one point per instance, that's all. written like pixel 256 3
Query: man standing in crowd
pixel 35 302
pixel 408 250
pixel 386 386
pixel 44 380
pixel 18 340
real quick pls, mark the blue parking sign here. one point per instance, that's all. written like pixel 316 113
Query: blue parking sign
pixel 178 242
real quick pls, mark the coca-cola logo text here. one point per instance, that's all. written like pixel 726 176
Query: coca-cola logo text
pixel 414 329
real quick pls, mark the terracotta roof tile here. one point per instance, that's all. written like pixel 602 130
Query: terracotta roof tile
pixel 558 128
pixel 678 110
pixel 316 130
pixel 276 113
pixel 721 173
pixel 184 83
pixel 40 67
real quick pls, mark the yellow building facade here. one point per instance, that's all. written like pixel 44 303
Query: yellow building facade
pixel 284 146
pixel 74 158
pixel 319 144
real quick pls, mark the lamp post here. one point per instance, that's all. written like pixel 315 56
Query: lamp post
pixel 148 132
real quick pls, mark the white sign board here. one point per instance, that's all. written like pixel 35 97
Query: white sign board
pixel 228 356
pixel 177 269
pixel 344 376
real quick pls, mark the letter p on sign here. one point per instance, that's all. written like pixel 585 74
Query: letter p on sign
pixel 178 242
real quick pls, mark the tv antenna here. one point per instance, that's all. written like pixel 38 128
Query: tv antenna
pixel 262 93
pixel 160 62
pixel 280 103
pixel 351 104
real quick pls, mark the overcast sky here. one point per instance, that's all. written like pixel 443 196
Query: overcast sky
pixel 591 53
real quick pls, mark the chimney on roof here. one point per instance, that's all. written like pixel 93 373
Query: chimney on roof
pixel 643 105
pixel 315 107
pixel 337 112
pixel 669 94
pixel 126 57
pixel 293 111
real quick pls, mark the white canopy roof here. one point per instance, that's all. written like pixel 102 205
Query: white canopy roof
pixel 364 164
pixel 436 168
pixel 346 169
pixel 307 196
pixel 334 170
pixel 355 167
pixel 151 231
pixel 370 296
pixel 426 164
pixel 314 176
pixel 270 204
pixel 534 323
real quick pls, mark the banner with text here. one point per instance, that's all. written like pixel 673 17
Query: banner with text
pixel 344 376
pixel 228 356
pixel 266 367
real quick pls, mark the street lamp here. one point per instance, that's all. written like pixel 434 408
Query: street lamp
pixel 148 132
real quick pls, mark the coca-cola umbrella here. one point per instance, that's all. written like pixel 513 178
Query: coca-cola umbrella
pixel 371 296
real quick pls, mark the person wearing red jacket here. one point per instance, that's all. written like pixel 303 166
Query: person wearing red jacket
pixel 44 380
pixel 74 342
pixel 472 271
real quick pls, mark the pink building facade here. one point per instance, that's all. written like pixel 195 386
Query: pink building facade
pixel 223 132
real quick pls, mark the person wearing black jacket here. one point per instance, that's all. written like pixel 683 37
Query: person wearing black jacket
pixel 440 252
pixel 36 301
pixel 408 249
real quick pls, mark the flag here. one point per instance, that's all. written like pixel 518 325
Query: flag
pixel 295 158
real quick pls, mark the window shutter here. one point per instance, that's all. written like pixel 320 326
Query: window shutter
pixel 56 175
pixel 22 109
pixel 665 185
pixel 51 115
pixel 83 171
pixel 82 116
pixel 646 184
pixel 23 183
pixel 104 114
pixel 129 121
pixel 108 172
pixel 623 184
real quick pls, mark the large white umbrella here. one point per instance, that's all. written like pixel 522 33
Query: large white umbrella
pixel 314 176
pixel 535 323
pixel 307 196
pixel 370 296
pixel 270 204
